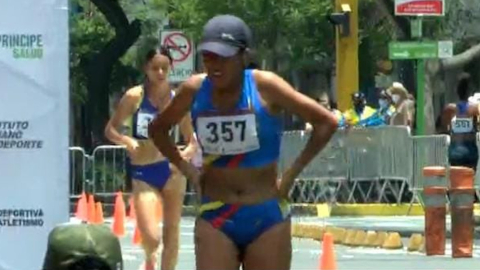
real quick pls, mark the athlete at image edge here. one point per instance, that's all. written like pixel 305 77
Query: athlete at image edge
pixel 226 74
pixel 154 179
pixel 460 120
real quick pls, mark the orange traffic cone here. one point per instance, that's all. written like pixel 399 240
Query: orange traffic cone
pixel 327 260
pixel 118 226
pixel 82 210
pixel 132 214
pixel 91 209
pixel 99 213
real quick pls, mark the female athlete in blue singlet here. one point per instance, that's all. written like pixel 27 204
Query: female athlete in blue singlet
pixel 244 218
pixel 153 177
pixel 461 121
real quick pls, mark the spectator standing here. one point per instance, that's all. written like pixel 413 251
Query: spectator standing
pixel 384 112
pixel 399 95
pixel 360 112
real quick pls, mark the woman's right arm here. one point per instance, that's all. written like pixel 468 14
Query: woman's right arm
pixel 123 111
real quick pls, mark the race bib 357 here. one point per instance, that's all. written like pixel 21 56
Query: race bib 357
pixel 228 135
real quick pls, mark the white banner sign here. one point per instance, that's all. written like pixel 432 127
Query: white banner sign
pixel 183 54
pixel 419 7
pixel 34 109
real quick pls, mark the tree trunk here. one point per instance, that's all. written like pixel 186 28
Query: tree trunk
pixel 99 68
pixel 433 84
pixel 435 81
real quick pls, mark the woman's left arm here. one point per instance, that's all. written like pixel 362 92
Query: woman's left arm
pixel 278 93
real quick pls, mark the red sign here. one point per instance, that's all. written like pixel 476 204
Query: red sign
pixel 419 7
pixel 179 44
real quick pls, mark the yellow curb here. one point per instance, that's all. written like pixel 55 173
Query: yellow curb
pixel 318 233
pixel 376 210
pixel 415 242
pixel 381 237
pixel 324 210
pixel 337 233
pixel 360 238
pixel 349 237
pixel 294 230
pixel 308 231
pixel 422 248
pixel 393 241
pixel 370 239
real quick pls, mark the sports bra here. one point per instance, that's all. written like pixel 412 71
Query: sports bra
pixel 145 112
pixel 247 137
pixel 462 123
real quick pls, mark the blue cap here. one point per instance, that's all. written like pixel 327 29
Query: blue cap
pixel 225 35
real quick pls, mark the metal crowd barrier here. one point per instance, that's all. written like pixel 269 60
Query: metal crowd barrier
pixel 375 164
pixel 359 165
pixel 325 176
pixel 109 169
pixel 79 166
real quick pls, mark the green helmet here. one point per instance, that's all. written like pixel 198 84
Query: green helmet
pixel 72 244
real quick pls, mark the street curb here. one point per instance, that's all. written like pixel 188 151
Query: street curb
pixel 325 210
pixel 351 238
pixel 390 240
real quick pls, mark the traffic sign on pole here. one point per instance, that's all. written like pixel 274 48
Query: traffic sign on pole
pixel 420 50
pixel 182 52
pixel 412 50
pixel 419 7
pixel 445 49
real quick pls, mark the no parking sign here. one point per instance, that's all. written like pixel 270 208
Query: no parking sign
pixel 183 54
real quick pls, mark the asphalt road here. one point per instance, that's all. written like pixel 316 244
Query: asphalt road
pixel 306 254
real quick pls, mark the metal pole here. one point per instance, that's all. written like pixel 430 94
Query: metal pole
pixel 420 111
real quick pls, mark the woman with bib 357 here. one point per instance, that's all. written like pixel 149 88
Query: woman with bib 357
pixel 153 177
pixel 244 218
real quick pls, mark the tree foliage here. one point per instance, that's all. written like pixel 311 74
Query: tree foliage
pixel 294 33
pixel 103 61
pixel 90 32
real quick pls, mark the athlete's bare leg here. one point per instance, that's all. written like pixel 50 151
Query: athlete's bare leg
pixel 172 195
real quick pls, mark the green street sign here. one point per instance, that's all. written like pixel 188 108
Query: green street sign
pixel 413 50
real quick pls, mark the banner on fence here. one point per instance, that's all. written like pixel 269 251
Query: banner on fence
pixel 34 128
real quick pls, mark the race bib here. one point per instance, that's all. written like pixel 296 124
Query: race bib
pixel 462 125
pixel 228 135
pixel 143 120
